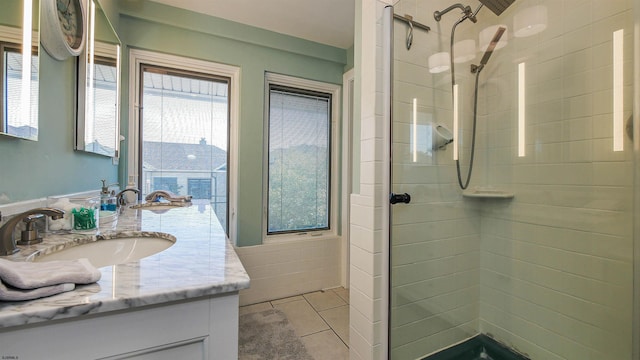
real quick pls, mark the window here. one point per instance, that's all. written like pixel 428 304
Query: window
pixel 183 125
pixel 200 188
pixel 184 131
pixel 300 166
pixel 166 183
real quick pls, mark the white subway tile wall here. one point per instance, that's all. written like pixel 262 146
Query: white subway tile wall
pixel 549 272
pixel 367 333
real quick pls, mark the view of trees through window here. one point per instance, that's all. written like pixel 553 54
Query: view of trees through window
pixel 184 132
pixel 299 160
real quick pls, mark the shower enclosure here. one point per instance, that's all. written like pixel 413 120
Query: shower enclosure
pixel 538 251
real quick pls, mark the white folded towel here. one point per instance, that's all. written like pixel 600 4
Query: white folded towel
pixel 47 275
pixel 13 294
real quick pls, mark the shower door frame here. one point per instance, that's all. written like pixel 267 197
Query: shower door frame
pixel 636 183
pixel 387 156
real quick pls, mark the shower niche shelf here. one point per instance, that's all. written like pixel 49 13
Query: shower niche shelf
pixel 487 193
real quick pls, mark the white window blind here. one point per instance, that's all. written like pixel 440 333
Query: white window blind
pixel 299 156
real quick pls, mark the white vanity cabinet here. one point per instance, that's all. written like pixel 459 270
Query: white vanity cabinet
pixel 200 328
pixel 181 303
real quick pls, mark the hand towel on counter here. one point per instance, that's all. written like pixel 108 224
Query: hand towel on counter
pixel 13 294
pixel 45 276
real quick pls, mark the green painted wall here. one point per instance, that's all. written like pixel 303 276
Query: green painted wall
pixel 164 29
pixel 50 166
pixel 111 10
pixel 11 13
pixel 349 65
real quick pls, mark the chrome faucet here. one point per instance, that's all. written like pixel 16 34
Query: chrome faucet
pixel 29 236
pixel 120 195
pixel 167 195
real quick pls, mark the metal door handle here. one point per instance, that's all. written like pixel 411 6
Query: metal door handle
pixel 399 198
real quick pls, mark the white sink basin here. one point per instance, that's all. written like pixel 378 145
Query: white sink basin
pixel 115 249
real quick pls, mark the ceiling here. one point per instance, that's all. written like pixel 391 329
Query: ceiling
pixel 327 22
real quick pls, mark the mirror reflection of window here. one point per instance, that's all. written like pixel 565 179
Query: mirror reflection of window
pixel 97 127
pixel 19 21
pixel 102 92
pixel 15 122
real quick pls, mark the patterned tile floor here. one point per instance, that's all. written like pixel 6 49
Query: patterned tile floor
pixel 320 319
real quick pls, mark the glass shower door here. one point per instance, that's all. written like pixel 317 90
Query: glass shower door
pixel 435 238
pixel 549 271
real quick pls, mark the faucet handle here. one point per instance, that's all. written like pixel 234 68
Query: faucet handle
pixel 7 243
pixel 29 235
pixel 31 218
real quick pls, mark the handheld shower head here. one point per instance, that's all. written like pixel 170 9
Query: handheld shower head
pixel 487 54
pixel 492 45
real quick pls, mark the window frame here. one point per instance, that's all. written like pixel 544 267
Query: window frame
pixel 296 83
pixel 7 45
pixel 11 38
pixel 186 73
pixel 139 57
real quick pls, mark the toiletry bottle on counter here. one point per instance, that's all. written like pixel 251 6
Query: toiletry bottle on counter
pixel 107 198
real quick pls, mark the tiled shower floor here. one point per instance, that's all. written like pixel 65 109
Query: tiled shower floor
pixel 320 319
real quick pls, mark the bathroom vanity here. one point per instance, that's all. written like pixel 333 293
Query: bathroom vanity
pixel 181 303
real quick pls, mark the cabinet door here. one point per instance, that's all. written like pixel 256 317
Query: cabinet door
pixel 118 335
pixel 181 330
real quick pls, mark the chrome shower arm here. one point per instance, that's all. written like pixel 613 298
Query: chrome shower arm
pixel 465 9
pixel 451 50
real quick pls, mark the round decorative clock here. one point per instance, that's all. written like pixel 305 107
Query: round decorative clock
pixel 63 27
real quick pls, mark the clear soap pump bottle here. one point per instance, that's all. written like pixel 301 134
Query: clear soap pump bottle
pixel 107 198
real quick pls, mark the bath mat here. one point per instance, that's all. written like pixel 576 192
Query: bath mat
pixel 269 335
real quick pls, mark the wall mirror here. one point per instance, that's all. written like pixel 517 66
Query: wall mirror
pixel 19 24
pixel 98 87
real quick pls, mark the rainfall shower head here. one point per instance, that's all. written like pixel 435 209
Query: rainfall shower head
pixel 497 6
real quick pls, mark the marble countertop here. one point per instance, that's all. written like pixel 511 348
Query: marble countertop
pixel 202 262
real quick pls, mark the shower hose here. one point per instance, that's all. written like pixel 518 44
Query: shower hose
pixel 464 185
pixel 473 137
